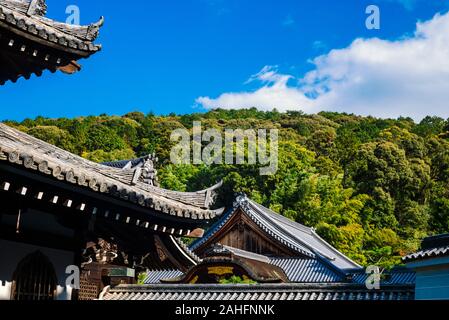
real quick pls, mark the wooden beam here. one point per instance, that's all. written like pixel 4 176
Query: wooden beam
pixel 50 199
pixel 197 233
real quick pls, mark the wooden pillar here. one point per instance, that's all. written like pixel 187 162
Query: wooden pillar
pixel 81 236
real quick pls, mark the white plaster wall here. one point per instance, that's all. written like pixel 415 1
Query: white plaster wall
pixel 11 253
pixel 5 290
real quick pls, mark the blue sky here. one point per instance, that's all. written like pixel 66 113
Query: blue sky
pixel 189 55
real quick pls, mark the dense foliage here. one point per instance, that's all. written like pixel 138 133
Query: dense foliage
pixel 371 187
pixel 237 280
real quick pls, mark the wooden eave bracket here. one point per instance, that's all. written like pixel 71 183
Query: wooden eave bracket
pixel 71 68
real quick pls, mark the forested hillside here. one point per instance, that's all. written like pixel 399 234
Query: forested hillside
pixel 371 187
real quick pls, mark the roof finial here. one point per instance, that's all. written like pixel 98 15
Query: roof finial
pixel 241 200
pixel 149 172
pixel 37 8
pixel 94 29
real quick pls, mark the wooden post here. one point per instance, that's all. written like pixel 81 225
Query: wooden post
pixel 18 221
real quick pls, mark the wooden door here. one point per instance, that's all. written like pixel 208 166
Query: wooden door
pixel 34 279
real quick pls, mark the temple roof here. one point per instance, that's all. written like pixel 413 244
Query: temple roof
pixel 267 292
pixel 127 164
pixel 228 261
pixel 299 270
pixel 301 239
pixel 204 272
pixel 155 276
pixel 29 16
pixel 34 155
pixel 31 43
pixel 145 165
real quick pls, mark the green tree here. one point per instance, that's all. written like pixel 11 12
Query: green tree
pixel 55 136
pixel 101 137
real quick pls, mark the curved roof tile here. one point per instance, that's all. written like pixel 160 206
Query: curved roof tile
pixel 269 292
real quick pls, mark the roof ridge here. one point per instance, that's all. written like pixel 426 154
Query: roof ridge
pixel 283 219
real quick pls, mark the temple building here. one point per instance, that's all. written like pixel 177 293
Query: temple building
pixel 60 210
pixel 249 231
pixel 276 259
pixel 253 228
pixel 313 270
pixel 64 218
pixel 30 43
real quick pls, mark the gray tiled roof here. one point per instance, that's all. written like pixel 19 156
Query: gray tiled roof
pixel 429 253
pixel 306 271
pixel 267 292
pixel 202 199
pixel 122 163
pixel 156 276
pixel 34 155
pixel 300 270
pixel 396 277
pixel 432 247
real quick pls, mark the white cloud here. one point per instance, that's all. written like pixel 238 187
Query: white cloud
pixel 407 77
pixel 275 92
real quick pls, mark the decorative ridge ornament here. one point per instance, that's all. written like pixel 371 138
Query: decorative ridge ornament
pixel 37 8
pixel 94 29
pixel 149 172
pixel 242 201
